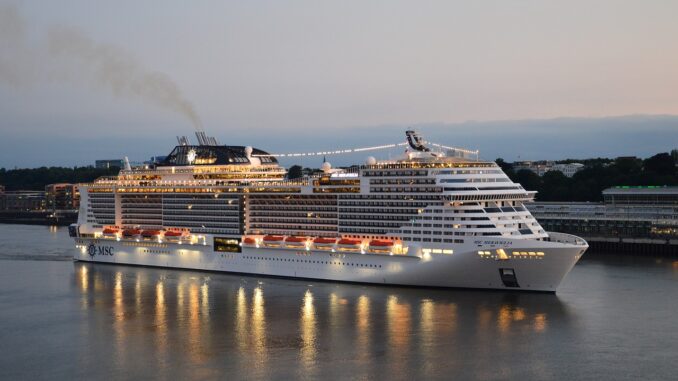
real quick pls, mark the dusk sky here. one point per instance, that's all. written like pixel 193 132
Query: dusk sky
pixel 85 80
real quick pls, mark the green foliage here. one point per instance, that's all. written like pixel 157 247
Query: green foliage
pixel 295 172
pixel 661 164
pixel 506 167
pixel 599 174
pixel 37 178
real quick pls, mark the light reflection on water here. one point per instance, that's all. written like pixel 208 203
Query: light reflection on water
pixel 207 319
pixel 308 334
pixel 613 318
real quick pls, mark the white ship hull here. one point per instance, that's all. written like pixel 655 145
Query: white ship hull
pixel 465 268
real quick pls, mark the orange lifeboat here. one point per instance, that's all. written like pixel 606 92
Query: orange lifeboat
pixel 380 246
pixel 150 233
pixel 296 241
pixel 173 236
pixel 347 244
pixel 379 243
pixel 249 241
pixel 131 233
pixel 324 243
pixel 110 231
pixel 273 240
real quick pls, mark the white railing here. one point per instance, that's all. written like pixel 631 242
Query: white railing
pixel 566 238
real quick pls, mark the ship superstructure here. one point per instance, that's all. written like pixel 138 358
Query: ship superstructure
pixel 425 219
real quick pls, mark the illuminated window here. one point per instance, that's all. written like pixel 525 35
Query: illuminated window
pixel 231 245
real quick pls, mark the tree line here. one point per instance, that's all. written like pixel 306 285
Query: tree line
pixel 597 175
pixel 586 185
pixel 37 178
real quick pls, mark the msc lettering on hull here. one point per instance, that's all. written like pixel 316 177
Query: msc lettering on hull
pixel 99 250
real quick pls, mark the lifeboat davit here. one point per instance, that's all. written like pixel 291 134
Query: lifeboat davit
pixel 380 246
pixel 324 243
pixel 347 244
pixel 129 233
pixel 273 240
pixel 296 241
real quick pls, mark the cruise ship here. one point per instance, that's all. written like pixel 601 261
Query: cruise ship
pixel 430 218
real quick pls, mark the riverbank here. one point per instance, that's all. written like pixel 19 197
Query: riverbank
pixel 42 217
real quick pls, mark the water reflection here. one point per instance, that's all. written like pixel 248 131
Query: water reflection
pixel 286 329
pixel 160 327
pixel 119 323
pixel 258 328
pixel 308 328
pixel 363 328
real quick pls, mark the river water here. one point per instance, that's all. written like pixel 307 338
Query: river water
pixel 613 318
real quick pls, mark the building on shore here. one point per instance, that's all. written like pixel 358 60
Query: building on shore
pixel 538 167
pixel 629 218
pixel 156 160
pixel 109 163
pixel 62 196
pixel 57 205
pixel 568 169
pixel 541 167
pixel 22 200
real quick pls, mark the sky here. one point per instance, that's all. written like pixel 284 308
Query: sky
pixel 518 79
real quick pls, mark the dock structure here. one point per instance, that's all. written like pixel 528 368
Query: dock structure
pixel 641 220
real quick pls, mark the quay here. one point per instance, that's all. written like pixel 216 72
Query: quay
pixel 642 220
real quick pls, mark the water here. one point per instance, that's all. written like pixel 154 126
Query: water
pixel 614 318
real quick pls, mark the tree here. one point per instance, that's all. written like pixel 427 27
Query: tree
pixel 628 165
pixel 506 167
pixel 528 179
pixel 295 172
pixel 37 178
pixel 555 186
pixel 660 164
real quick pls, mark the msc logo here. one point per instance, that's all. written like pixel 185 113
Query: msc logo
pixel 93 250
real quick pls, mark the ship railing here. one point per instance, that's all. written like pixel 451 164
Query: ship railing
pixel 105 179
pixel 201 182
pixel 566 238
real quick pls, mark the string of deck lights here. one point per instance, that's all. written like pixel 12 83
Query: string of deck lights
pixel 473 152
pixel 362 149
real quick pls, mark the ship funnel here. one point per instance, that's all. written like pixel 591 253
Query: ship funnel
pixel 205 140
pixel 128 167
